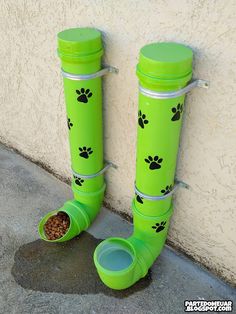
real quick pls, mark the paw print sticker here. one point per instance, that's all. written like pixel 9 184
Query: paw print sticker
pixel 69 123
pixel 177 112
pixel 85 152
pixel 78 181
pixel 159 227
pixel 83 95
pixel 167 190
pixel 142 119
pixel 139 199
pixel 154 162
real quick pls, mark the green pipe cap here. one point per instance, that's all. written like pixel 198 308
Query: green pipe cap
pixel 80 43
pixel 165 61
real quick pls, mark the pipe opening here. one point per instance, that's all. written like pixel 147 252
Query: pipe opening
pixel 115 255
pixel 55 226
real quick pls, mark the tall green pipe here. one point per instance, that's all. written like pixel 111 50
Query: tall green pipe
pixel 80 51
pixel 162 68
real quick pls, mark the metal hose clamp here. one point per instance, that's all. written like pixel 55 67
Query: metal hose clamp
pixel 84 77
pixel 177 185
pixel 180 92
pixel 94 175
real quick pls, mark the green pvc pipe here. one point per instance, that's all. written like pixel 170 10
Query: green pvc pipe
pixel 80 51
pixel 163 67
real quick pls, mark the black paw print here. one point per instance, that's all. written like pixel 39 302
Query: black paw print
pixel 159 227
pixel 142 119
pixel 139 199
pixel 85 152
pixel 69 123
pixel 154 163
pixel 78 181
pixel 83 95
pixel 167 190
pixel 177 112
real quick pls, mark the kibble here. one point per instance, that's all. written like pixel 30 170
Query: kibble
pixel 57 226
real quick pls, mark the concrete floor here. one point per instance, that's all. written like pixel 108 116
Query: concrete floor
pixel 37 277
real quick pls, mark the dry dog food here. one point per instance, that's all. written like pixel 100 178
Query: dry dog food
pixel 57 226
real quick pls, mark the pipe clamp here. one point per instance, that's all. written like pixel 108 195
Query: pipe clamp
pixel 84 77
pixel 177 185
pixel 174 94
pixel 94 175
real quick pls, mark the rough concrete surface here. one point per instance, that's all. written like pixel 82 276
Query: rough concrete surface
pixel 37 277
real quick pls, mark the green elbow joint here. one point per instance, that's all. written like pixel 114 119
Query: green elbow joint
pixel 122 262
pixel 81 211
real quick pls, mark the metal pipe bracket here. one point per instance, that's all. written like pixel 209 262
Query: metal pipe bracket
pixel 174 94
pixel 85 77
pixel 177 185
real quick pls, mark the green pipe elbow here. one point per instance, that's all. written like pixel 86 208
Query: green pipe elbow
pixel 81 211
pixel 121 262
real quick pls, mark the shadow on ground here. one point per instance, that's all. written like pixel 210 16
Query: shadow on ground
pixel 64 268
